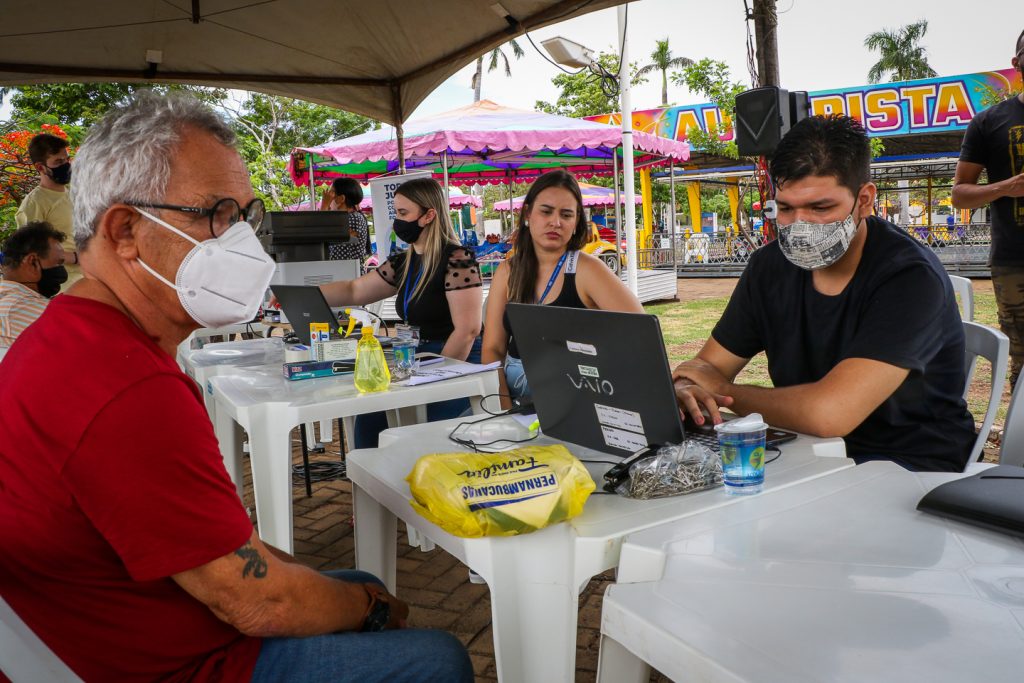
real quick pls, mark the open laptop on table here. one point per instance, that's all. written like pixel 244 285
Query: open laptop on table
pixel 304 305
pixel 601 379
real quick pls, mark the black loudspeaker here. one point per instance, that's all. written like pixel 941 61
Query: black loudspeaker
pixel 762 118
pixel 799 106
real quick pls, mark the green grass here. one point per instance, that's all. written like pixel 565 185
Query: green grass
pixel 687 325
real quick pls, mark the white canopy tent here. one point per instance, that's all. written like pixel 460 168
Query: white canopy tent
pixel 380 58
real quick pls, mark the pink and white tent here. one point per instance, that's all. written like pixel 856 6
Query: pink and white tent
pixel 593 195
pixel 484 143
pixel 456 200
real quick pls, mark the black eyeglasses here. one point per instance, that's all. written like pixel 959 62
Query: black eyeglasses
pixel 225 213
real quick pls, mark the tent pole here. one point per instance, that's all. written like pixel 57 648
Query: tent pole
pixel 672 212
pixel 627 154
pixel 511 221
pixel 312 187
pixel 618 213
pixel 396 113
pixel 444 162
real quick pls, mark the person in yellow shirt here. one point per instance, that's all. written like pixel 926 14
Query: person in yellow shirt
pixel 50 200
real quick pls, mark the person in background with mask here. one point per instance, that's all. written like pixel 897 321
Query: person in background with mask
pixel 50 201
pixel 33 271
pixel 125 546
pixel 857 319
pixel 345 195
pixel 437 286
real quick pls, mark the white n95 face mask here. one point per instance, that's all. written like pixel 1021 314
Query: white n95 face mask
pixel 813 246
pixel 220 281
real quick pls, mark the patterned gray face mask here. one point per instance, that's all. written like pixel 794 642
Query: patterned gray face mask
pixel 813 246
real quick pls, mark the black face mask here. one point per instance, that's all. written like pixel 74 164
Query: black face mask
pixel 51 280
pixel 407 231
pixel 61 174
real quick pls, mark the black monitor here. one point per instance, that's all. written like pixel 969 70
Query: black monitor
pixel 290 236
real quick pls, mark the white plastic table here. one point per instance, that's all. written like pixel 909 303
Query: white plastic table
pixel 268 407
pixel 231 449
pixel 840 579
pixel 534 579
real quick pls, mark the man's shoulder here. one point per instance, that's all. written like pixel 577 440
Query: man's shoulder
pixel 895 251
pixel 770 259
pixel 9 289
pixel 1006 110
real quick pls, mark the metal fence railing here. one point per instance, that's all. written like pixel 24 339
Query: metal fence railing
pixel 961 248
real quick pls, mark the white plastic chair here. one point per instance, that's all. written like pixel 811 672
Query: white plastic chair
pixel 24 658
pixel 994 346
pixel 1011 452
pixel 962 288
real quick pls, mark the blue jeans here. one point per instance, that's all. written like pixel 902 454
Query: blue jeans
pixel 406 655
pixel 370 425
pixel 515 378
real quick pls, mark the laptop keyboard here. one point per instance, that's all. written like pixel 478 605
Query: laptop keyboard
pixel 709 441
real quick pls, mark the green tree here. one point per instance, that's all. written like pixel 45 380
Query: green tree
pixel 901 58
pixel 662 60
pixel 711 79
pixel 495 55
pixel 583 93
pixel 270 126
pixel 76 106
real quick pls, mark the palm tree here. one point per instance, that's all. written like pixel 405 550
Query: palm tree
pixel 662 60
pixel 496 54
pixel 902 59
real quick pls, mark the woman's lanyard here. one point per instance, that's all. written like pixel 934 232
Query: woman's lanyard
pixel 554 276
pixel 410 288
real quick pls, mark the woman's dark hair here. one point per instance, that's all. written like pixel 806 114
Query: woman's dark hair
pixel 31 238
pixel 523 266
pixel 350 189
pixel 834 146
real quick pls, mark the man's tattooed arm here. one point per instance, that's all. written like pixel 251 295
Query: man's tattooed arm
pixel 254 562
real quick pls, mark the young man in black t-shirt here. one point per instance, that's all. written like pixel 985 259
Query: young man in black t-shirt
pixel 858 320
pixel 994 142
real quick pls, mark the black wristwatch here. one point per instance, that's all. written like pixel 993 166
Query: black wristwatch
pixel 378 614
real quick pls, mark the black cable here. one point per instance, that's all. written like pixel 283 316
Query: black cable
pixel 778 452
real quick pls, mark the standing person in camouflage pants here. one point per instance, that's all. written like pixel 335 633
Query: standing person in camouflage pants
pixel 994 142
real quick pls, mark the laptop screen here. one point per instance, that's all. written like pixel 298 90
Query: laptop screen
pixel 302 306
pixel 599 379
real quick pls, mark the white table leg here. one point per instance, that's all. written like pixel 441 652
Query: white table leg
pixel 270 455
pixel 326 430
pixel 376 536
pixel 229 437
pixel 616 664
pixel 534 606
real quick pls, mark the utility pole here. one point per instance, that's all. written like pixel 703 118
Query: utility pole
pixel 766 22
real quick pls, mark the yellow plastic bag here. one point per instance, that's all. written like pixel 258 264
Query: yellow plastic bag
pixel 499 494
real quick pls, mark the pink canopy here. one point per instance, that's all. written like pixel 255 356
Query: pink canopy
pixel 593 195
pixel 484 143
pixel 456 200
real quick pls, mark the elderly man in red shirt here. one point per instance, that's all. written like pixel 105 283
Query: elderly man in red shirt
pixel 125 546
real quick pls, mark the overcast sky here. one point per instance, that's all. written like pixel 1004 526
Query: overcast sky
pixel 821 44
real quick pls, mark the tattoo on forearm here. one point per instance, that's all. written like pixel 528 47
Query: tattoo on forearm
pixel 254 562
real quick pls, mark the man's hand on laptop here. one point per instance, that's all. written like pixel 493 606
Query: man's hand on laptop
pixel 695 382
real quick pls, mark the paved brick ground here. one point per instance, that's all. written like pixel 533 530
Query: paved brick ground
pixel 435 584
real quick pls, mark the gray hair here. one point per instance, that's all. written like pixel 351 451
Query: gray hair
pixel 127 155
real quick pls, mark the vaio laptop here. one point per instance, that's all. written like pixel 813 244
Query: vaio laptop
pixel 601 379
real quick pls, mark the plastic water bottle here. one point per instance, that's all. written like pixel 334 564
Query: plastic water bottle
pixel 371 368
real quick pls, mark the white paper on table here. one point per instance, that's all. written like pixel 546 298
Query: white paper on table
pixel 428 375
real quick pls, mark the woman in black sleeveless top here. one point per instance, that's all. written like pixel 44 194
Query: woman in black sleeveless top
pixel 548 268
